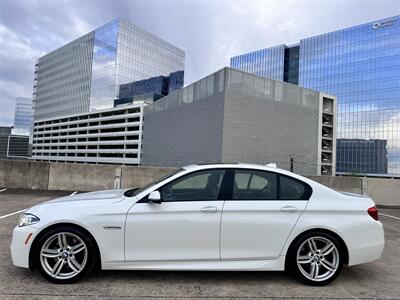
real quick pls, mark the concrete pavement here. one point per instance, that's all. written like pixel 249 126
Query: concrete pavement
pixel 379 279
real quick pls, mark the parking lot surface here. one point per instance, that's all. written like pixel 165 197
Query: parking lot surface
pixel 376 280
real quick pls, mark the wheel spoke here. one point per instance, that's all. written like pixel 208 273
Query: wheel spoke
pixel 312 245
pixel 327 249
pixel 305 259
pixel 78 248
pixel 57 267
pixel 51 253
pixel 74 264
pixel 62 241
pixel 328 265
pixel 314 271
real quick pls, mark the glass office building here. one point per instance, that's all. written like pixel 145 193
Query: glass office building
pixel 85 74
pixel 372 151
pixel 160 85
pixel 266 62
pixel 361 66
pixel 23 118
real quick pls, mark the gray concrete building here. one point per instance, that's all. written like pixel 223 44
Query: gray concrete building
pixel 233 116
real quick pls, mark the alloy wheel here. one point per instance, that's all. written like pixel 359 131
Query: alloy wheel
pixel 318 258
pixel 63 255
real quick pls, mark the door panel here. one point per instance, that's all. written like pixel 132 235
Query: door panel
pixel 257 229
pixel 173 231
pixel 255 222
pixel 185 226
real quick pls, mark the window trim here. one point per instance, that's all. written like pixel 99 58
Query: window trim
pixel 308 191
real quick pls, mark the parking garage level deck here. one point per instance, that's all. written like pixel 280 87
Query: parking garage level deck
pixel 379 279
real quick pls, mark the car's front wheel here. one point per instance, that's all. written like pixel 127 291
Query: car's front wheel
pixel 65 254
pixel 316 258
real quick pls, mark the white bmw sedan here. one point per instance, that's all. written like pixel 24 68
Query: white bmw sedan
pixel 203 217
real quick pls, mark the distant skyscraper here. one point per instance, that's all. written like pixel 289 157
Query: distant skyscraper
pixel 373 152
pixel 13 146
pixel 361 66
pixel 23 118
pixel 85 74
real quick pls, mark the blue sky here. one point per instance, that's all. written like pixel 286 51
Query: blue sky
pixel 209 31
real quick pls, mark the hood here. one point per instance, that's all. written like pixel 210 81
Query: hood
pixel 81 201
pixel 107 195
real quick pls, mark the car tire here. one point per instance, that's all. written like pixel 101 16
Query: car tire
pixel 316 258
pixel 65 254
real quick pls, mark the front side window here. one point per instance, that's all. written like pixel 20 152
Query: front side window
pixel 135 191
pixel 203 185
pixel 255 185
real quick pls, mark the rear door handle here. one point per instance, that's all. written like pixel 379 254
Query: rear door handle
pixel 209 209
pixel 289 208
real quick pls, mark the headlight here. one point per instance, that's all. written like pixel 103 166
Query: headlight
pixel 27 219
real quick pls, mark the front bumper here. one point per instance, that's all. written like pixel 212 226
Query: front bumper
pixel 21 245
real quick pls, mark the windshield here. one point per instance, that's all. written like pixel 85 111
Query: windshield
pixel 135 191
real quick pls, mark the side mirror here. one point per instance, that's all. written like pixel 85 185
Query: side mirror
pixel 154 197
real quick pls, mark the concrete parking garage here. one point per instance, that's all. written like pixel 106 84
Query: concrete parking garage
pixel 379 279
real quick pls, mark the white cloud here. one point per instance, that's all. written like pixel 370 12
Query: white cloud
pixel 209 31
pixel 15 47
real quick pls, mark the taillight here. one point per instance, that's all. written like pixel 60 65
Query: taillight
pixel 373 212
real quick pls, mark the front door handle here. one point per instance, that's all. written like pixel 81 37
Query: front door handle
pixel 289 208
pixel 209 209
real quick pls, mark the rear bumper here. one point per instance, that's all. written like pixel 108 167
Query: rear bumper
pixel 367 245
pixel 19 248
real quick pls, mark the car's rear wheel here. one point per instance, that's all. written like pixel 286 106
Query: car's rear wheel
pixel 65 254
pixel 316 258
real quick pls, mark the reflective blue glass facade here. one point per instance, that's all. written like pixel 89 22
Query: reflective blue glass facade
pixel 361 66
pixel 161 85
pixel 266 62
pixel 85 74
pixel 104 65
pixel 23 118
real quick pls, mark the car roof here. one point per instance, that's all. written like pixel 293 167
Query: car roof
pixel 232 165
pixel 268 167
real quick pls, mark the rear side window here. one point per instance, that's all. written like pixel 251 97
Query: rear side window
pixel 291 189
pixel 255 185
pixel 263 185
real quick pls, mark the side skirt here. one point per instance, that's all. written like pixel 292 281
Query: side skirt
pixel 230 265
